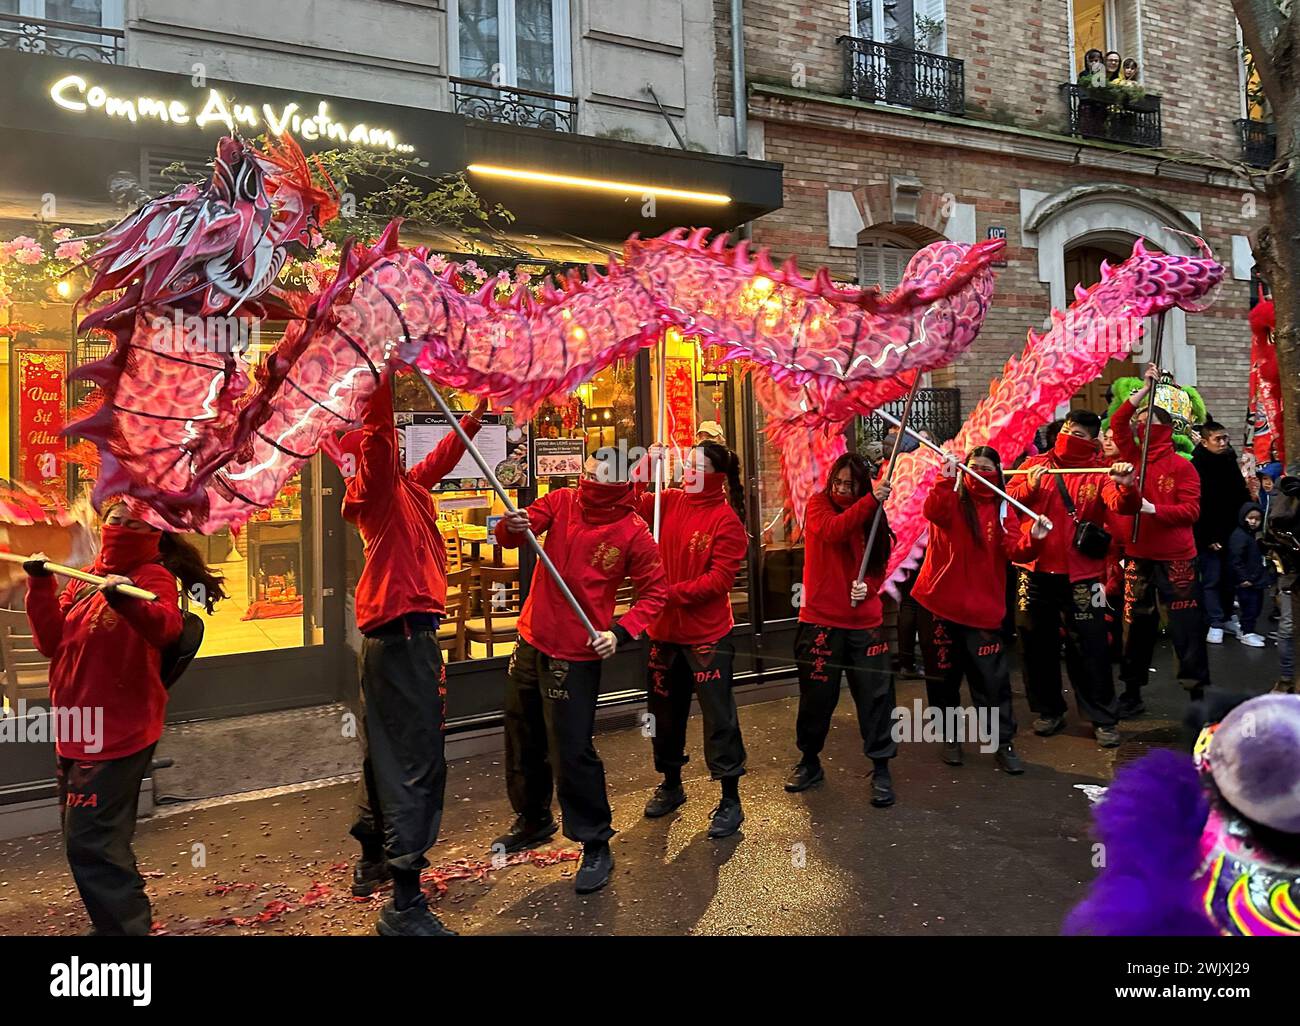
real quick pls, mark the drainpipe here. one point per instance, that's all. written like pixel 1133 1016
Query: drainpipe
pixel 739 99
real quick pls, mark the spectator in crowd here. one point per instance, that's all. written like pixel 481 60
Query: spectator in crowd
pixel 1128 76
pixel 1223 493
pixel 1114 66
pixel 1281 542
pixel 1093 72
pixel 1252 573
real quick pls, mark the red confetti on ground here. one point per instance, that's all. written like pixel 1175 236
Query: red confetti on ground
pixel 465 869
pixel 222 889
pixel 317 893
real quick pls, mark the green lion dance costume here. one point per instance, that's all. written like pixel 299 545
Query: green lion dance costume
pixel 1183 402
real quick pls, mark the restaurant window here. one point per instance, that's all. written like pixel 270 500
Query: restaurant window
pixel 522 43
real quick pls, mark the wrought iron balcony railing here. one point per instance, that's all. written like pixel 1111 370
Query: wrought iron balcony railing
pixel 514 106
pixel 1113 113
pixel 62 39
pixel 883 73
pixel 938 410
pixel 1258 142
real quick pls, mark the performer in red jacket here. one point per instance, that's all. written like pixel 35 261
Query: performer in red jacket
pixel 837 637
pixel 1162 571
pixel 595 539
pixel 400 597
pixel 1063 590
pixel 703 544
pixel 107 699
pixel 962 593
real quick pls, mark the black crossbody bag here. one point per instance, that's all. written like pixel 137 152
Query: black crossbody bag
pixel 1089 539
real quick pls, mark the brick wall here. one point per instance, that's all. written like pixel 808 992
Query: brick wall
pixel 1017 55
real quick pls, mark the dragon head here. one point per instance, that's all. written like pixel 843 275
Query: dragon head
pixel 214 248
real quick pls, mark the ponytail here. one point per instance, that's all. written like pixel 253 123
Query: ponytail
pixel 185 563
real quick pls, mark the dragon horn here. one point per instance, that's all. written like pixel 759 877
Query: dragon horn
pixel 1200 243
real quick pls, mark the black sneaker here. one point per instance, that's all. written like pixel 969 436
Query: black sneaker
pixel 369 876
pixel 523 834
pixel 1046 726
pixel 951 753
pixel 882 789
pixel 664 800
pixel 415 921
pixel 1131 707
pixel 804 776
pixel 1008 759
pixel 911 674
pixel 727 818
pixel 597 862
pixel 1107 737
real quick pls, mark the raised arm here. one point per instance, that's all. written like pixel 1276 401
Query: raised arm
pixel 823 520
pixel 541 512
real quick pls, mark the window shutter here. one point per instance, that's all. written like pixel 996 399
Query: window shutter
pixel 934 11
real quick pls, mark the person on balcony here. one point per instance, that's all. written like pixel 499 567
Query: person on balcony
pixel 1114 66
pixel 1093 73
pixel 1129 74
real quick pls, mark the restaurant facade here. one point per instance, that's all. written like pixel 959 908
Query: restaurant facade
pixel 87 141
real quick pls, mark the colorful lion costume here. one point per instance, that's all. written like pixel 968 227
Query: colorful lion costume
pixel 1207 845
pixel 1182 402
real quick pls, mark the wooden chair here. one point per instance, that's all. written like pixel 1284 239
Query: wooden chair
pixel 26 671
pixel 451 632
pixel 452 541
pixel 499 606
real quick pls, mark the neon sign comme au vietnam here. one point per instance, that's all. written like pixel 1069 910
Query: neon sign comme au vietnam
pixel 73 93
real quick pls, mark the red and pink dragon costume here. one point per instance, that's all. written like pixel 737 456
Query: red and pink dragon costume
pixel 186 431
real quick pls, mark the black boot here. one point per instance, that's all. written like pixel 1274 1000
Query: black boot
pixel 664 800
pixel 882 785
pixel 1008 759
pixel 804 776
pixel 951 754
pixel 369 875
pixel 524 834
pixel 414 921
pixel 727 818
pixel 597 863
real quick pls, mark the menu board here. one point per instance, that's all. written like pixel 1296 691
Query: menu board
pixel 421 433
pixel 558 457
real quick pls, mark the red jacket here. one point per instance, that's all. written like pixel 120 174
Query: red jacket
pixel 106 656
pixel 703 545
pixel 834 541
pixel 595 539
pixel 1172 485
pixel 1090 494
pixel 406 559
pixel 963 578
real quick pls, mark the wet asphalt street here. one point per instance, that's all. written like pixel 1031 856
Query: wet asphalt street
pixel 965 851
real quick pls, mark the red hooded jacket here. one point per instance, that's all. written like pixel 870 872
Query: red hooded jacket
pixel 406 559
pixel 595 539
pixel 1090 493
pixel 1172 486
pixel 964 578
pixel 703 545
pixel 106 655
pixel 834 541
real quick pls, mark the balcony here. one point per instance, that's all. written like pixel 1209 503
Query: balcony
pixel 511 105
pixel 883 73
pixel 1113 114
pixel 62 39
pixel 1258 142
